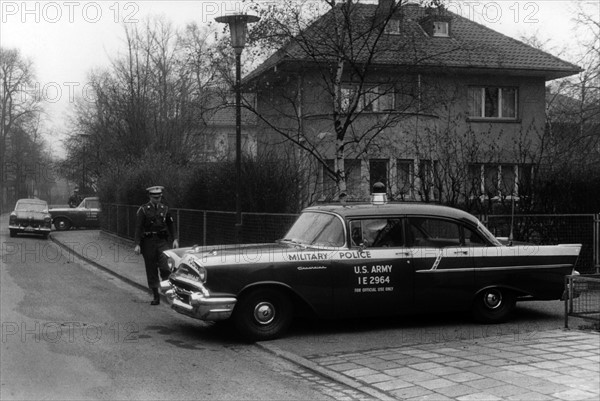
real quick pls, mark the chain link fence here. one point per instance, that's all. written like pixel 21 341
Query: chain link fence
pixel 204 227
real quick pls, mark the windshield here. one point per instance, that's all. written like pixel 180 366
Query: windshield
pixel 31 207
pixel 317 229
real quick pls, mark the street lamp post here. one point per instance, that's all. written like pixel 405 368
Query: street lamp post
pixel 84 139
pixel 238 26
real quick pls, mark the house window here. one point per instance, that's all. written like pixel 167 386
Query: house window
pixel 404 178
pixel 493 102
pixel 429 178
pixel 440 28
pixel 393 26
pixel 349 93
pixel 387 97
pixel 352 169
pixel 378 172
pixel 377 98
pixel 499 180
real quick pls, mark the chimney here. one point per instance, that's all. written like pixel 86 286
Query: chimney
pixel 386 4
pixel 384 8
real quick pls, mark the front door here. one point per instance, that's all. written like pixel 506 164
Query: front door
pixel 374 277
pixel 443 256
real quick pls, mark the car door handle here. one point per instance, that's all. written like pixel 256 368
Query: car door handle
pixel 461 252
pixel 403 253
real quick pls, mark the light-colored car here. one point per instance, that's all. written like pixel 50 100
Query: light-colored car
pixel 30 216
pixel 365 260
pixel 87 215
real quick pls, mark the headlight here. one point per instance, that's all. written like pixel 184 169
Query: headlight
pixel 171 263
pixel 202 273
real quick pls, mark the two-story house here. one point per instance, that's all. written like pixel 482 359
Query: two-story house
pixel 434 105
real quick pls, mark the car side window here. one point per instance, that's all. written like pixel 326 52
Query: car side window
pixel 93 204
pixel 432 232
pixel 472 238
pixel 377 233
pixel 440 233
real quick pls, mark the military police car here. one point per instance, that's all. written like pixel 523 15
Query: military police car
pixel 380 259
pixel 86 214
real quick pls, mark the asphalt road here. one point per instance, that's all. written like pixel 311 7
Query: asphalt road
pixel 70 331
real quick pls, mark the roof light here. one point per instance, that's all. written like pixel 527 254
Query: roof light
pixel 378 197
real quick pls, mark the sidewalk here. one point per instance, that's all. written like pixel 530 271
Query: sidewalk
pixel 548 365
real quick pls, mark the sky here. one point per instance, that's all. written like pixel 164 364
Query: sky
pixel 66 40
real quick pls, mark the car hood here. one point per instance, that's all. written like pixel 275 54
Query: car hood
pixel 61 209
pixel 219 255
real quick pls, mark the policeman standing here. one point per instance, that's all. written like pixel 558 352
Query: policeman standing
pixel 154 227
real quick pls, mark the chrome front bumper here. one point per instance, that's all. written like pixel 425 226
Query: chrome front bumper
pixel 200 304
pixel 29 229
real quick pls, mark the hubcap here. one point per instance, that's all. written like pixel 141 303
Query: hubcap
pixel 493 299
pixel 264 313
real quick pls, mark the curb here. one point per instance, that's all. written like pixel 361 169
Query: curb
pixel 315 368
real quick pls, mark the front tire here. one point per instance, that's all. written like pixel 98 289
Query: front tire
pixel 263 314
pixel 493 305
pixel 13 233
pixel 62 224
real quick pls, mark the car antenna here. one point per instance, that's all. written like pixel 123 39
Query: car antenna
pixel 512 221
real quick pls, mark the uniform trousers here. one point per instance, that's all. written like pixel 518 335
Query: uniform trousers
pixel 155 260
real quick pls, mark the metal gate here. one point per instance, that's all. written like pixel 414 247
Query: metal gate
pixel 583 298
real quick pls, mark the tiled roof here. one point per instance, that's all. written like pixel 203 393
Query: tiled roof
pixel 470 45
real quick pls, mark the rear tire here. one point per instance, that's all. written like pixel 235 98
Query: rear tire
pixel 263 314
pixel 13 233
pixel 493 305
pixel 62 224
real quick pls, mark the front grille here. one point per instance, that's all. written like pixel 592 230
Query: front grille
pixel 184 286
pixel 184 297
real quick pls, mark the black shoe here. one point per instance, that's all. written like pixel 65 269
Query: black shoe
pixel 156 299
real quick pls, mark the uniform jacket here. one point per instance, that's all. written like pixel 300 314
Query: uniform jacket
pixel 151 219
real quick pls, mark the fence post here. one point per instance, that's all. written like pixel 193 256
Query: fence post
pixel 177 226
pixel 204 228
pixel 567 298
pixel 597 243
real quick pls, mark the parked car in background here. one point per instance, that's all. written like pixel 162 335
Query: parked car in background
pixel 365 260
pixel 30 216
pixel 87 215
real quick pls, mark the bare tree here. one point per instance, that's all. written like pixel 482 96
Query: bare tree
pixel 19 105
pixel 573 116
pixel 151 102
